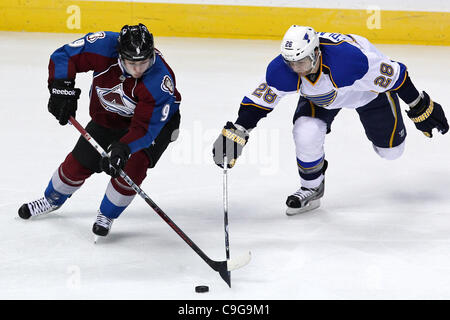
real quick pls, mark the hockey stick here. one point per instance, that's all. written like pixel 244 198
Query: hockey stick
pixel 223 267
pixel 225 211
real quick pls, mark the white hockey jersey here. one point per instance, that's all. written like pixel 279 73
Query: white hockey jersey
pixel 352 73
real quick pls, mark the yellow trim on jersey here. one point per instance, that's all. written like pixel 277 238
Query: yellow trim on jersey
pixel 313 110
pixel 404 79
pixel 394 108
pixel 331 77
pixel 222 21
pixel 256 105
pixel 320 73
pixel 298 83
pixel 348 35
pixel 335 44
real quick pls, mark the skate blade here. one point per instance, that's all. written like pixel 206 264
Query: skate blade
pixel 310 206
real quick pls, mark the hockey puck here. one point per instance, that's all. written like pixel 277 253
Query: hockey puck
pixel 201 289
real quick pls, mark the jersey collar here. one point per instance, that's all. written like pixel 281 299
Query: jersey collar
pixel 320 73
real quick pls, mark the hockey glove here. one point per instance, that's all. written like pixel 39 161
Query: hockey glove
pixel 63 100
pixel 428 115
pixel 230 144
pixel 118 156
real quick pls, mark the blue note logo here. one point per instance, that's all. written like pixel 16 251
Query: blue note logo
pixel 306 37
pixel 322 100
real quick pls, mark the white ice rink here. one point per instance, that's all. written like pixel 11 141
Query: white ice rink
pixel 382 232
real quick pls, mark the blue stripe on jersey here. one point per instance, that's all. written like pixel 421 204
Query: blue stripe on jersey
pixel 280 76
pixel 163 100
pixel 401 77
pixel 61 62
pixel 346 62
pixel 249 102
pixel 324 99
pixel 105 45
pixel 154 127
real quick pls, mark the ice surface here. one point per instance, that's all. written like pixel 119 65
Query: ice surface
pixel 382 231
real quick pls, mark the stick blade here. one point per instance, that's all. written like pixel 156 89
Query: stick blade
pixel 226 276
pixel 239 262
pixel 221 268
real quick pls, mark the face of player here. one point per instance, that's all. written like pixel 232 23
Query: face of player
pixel 304 66
pixel 136 68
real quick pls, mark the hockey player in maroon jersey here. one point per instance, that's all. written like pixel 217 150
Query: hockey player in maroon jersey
pixel 134 106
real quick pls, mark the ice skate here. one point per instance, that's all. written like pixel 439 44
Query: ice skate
pixel 304 200
pixel 101 226
pixel 36 208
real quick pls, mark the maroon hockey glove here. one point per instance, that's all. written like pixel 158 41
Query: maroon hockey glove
pixel 63 100
pixel 230 144
pixel 118 156
pixel 428 115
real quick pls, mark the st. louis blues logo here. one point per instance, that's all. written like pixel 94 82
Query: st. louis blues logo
pixel 306 37
pixel 115 100
pixel 322 100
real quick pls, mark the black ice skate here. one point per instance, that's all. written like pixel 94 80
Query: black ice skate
pixel 305 199
pixel 36 208
pixel 101 226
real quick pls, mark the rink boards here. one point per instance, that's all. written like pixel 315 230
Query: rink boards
pixel 223 21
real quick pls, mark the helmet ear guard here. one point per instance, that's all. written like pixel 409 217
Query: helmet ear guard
pixel 316 56
pixel 135 43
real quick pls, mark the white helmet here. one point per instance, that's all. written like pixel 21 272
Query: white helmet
pixel 298 43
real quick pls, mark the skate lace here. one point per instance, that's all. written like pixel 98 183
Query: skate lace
pixel 103 221
pixel 304 193
pixel 40 206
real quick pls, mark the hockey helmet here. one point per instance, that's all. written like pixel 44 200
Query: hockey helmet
pixel 298 48
pixel 136 43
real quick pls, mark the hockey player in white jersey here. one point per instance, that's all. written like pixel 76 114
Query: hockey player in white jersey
pixel 331 71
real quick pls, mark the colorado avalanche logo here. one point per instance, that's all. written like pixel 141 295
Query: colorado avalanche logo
pixel 95 36
pixel 115 100
pixel 167 85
